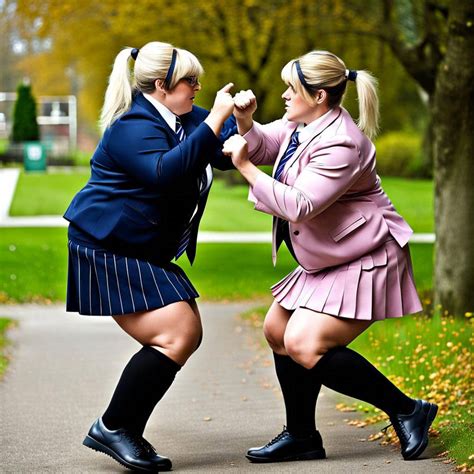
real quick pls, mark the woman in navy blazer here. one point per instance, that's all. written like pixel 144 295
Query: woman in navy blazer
pixel 150 178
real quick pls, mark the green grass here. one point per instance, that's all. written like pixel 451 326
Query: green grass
pixel 46 194
pixel 33 267
pixel 3 145
pixel 5 324
pixel 33 264
pixel 228 208
pixel 413 200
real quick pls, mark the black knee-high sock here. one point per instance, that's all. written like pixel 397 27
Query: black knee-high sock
pixel 300 393
pixel 347 372
pixel 144 381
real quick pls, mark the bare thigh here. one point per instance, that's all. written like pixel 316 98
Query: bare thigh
pixel 309 335
pixel 175 329
pixel 274 327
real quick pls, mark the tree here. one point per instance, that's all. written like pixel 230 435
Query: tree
pixel 25 126
pixel 246 42
pixel 434 40
pixel 453 152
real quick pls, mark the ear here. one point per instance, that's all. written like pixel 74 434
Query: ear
pixel 160 87
pixel 321 96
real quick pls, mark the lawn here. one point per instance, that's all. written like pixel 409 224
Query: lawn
pixel 5 324
pixel 46 193
pixel 50 194
pixel 33 267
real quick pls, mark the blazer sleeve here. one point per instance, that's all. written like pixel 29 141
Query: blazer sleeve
pixel 331 171
pixel 264 141
pixel 219 160
pixel 142 149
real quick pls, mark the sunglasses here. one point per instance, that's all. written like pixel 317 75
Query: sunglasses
pixel 191 80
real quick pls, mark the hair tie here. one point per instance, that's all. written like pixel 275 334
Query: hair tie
pixel 134 53
pixel 169 74
pixel 351 74
pixel 301 76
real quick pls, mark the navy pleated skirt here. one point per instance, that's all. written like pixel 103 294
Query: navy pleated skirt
pixel 102 283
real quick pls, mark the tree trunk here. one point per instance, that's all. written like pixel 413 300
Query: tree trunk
pixel 453 150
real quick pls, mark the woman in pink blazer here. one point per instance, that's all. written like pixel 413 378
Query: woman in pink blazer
pixel 350 244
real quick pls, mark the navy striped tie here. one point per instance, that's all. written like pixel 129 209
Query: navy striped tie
pixel 290 151
pixel 184 240
pixel 180 130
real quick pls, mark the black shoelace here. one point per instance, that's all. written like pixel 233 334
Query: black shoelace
pixel 400 429
pixel 148 446
pixel 138 446
pixel 278 437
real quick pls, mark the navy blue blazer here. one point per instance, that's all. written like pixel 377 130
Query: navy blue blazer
pixel 144 184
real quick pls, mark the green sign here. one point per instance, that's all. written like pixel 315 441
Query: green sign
pixel 34 156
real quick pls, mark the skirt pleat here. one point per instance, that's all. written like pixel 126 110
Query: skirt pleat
pixel 379 285
pixel 106 284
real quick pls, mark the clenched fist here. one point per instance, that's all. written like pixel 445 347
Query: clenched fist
pixel 236 148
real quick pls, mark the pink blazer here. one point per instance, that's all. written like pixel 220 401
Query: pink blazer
pixel 330 192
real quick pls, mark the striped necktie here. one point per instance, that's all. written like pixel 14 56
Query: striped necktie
pixel 290 151
pixel 180 130
pixel 184 239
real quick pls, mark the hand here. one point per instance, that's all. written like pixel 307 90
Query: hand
pixel 245 104
pixel 223 103
pixel 236 147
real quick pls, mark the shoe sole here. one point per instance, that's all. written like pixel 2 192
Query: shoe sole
pixel 101 448
pixel 433 410
pixel 318 454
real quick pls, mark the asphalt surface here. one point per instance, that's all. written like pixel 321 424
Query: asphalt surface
pixel 225 400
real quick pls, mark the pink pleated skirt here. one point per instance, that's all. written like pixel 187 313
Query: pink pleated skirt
pixel 377 286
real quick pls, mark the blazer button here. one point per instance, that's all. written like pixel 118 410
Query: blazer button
pixel 296 232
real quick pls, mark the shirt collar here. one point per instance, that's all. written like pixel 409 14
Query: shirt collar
pixel 168 116
pixel 306 132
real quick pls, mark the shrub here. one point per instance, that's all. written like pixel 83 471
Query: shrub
pixel 25 126
pixel 401 154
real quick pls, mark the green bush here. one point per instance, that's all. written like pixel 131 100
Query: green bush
pixel 401 154
pixel 25 126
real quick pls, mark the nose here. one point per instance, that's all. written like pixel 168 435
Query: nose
pixel 286 94
pixel 197 87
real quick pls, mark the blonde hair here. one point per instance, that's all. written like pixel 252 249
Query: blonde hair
pixel 324 70
pixel 152 62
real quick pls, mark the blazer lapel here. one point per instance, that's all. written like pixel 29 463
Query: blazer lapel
pixel 146 104
pixel 327 122
pixel 277 238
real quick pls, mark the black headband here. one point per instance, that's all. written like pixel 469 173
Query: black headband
pixel 302 79
pixel 134 53
pixel 334 90
pixel 169 74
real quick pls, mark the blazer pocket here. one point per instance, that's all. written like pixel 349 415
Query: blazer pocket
pixel 134 228
pixel 138 216
pixel 347 227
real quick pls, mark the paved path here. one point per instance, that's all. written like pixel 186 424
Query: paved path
pixel 225 400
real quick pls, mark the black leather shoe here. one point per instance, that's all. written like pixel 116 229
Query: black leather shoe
pixel 286 447
pixel 129 450
pixel 412 430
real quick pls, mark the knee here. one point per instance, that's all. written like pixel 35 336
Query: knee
pixel 304 352
pixel 273 336
pixel 181 344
